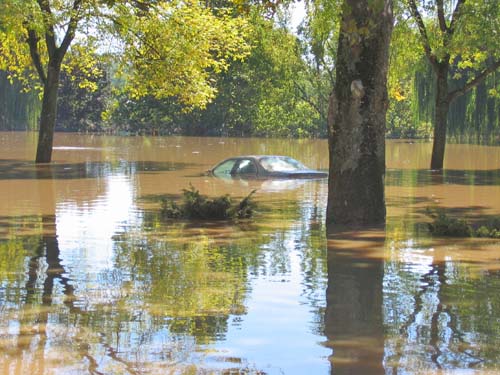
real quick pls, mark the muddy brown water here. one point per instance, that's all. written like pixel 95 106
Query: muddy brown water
pixel 93 281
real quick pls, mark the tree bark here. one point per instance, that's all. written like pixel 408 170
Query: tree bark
pixel 357 110
pixel 441 114
pixel 48 114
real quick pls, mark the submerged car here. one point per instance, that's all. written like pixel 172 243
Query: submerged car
pixel 264 166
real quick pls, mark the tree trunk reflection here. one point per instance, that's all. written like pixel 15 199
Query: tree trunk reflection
pixel 353 318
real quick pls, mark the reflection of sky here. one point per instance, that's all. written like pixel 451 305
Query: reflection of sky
pixel 275 335
pixel 85 231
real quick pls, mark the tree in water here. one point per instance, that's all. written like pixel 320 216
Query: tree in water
pixel 40 23
pixel 168 48
pixel 356 120
pixel 461 40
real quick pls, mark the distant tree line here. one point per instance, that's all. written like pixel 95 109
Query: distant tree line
pixel 280 89
pixel 247 104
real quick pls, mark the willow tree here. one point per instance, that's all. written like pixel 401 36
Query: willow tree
pixel 459 38
pixel 357 111
pixel 168 48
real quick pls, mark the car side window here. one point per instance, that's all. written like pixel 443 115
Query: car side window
pixel 245 167
pixel 224 169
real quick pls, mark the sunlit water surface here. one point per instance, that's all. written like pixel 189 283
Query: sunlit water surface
pixel 94 281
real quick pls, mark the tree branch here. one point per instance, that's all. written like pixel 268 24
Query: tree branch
pixel 455 17
pixel 306 98
pixel 50 38
pixel 441 19
pixel 35 54
pixel 423 33
pixel 452 95
pixel 70 31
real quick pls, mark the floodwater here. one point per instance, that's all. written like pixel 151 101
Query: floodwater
pixel 93 281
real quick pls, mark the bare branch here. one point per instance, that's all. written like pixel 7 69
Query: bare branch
pixel 452 95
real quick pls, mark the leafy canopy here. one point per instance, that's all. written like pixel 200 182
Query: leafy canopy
pixel 178 48
pixel 173 48
pixel 464 33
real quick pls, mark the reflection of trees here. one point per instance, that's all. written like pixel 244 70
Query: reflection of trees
pixel 191 269
pixel 48 249
pixel 439 314
pixel 196 284
pixel 34 310
pixel 171 288
pixel 408 309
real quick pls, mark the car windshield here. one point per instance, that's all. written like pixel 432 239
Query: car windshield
pixel 224 169
pixel 281 164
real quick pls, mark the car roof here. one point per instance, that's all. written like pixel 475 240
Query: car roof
pixel 258 157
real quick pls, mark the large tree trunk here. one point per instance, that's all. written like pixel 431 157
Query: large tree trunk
pixel 441 115
pixel 48 115
pixel 357 115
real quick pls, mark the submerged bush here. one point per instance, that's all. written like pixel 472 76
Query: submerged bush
pixel 197 206
pixel 444 225
pixel 486 231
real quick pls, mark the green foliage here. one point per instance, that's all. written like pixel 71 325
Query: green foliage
pixel 472 117
pixel 177 50
pixel 321 33
pixel 27 23
pixel 19 110
pixel 261 96
pixel 490 229
pixel 401 122
pixel 80 106
pixel 460 41
pixel 444 225
pixel 197 206
pixel 267 94
pixel 166 49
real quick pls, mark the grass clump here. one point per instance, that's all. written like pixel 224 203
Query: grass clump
pixel 444 225
pixel 197 206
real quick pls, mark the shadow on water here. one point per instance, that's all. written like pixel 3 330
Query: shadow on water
pixel 426 177
pixel 474 215
pixel 401 201
pixel 22 170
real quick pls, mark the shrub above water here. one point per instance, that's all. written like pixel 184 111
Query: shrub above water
pixel 444 225
pixel 197 206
